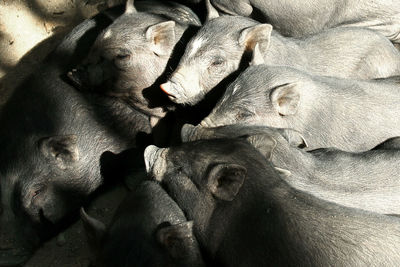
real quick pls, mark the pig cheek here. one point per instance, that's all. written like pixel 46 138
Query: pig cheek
pixel 271 119
pixel 95 75
pixel 139 75
pixel 158 67
pixel 245 116
pixel 211 78
pixel 144 77
pixel 183 191
pixel 121 83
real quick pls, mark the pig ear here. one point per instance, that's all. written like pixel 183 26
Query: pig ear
pixel 94 229
pixel 130 7
pixel 174 236
pixel 283 172
pixel 260 34
pixel 294 138
pixel 162 37
pixel 391 143
pixel 257 58
pixel 264 143
pixel 212 13
pixel 285 99
pixel 62 149
pixel 225 180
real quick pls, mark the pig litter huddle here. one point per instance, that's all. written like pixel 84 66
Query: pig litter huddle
pixel 249 133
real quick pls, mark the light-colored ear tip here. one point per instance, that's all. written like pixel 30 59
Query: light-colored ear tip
pixel 269 27
pixel 130 7
pixel 304 143
pixel 150 154
pixel 91 221
pixel 295 138
pixel 190 224
pixel 83 213
pixel 212 13
pixel 170 23
pixel 284 172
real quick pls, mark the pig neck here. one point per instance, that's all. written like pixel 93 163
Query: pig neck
pixel 293 159
pixel 276 225
pixel 284 51
pixel 337 106
pixel 355 180
pixel 307 172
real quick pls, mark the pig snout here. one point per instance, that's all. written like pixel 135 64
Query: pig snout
pixel 188 132
pixel 180 91
pixel 219 118
pixel 192 133
pixel 171 89
pixel 207 123
pixel 175 91
pixel 154 158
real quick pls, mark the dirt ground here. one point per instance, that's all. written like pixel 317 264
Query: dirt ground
pixel 29 30
pixel 70 247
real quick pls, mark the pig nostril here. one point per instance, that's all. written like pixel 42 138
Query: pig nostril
pixel 207 123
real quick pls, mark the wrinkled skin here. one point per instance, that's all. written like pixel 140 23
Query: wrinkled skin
pixel 367 180
pixel 245 214
pixel 52 139
pixel 129 56
pixel 295 18
pixel 350 115
pixel 148 229
pixel 222 44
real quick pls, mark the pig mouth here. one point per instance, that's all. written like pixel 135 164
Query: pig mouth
pixel 76 76
pixel 79 78
pixel 208 123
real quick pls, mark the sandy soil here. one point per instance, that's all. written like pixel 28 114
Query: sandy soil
pixel 30 29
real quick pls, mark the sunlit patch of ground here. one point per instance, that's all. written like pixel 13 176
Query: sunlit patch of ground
pixel 26 23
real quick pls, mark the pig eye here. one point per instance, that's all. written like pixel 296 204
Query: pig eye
pixel 121 61
pixel 36 192
pixel 123 57
pixel 35 195
pixel 217 62
pixel 243 115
